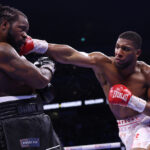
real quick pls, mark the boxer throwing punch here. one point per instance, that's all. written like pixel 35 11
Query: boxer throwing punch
pixel 124 79
pixel 23 123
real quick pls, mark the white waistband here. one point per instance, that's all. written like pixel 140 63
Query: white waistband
pixel 131 120
pixel 4 99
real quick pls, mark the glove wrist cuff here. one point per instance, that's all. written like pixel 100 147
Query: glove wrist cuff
pixel 137 103
pixel 50 68
pixel 40 46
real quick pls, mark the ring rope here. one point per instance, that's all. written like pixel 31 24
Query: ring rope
pixel 94 146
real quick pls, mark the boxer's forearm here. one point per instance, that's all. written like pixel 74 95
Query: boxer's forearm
pixel 61 53
pixel 67 55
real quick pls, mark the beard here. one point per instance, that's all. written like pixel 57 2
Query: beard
pixel 11 39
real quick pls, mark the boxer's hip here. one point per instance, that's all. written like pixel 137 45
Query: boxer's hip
pixel 132 122
pixel 24 125
pixel 11 106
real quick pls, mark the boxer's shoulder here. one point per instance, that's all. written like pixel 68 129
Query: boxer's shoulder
pixel 143 64
pixel 5 45
pixel 6 50
pixel 144 68
pixel 100 57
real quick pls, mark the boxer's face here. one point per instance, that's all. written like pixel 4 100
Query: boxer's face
pixel 125 53
pixel 17 32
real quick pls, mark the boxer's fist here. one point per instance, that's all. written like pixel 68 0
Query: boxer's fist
pixel 45 62
pixel 33 46
pixel 119 94
pixel 47 94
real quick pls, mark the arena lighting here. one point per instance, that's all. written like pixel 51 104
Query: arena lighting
pixel 96 146
pixel 73 104
pixel 94 101
pixel 83 39
pixel 51 106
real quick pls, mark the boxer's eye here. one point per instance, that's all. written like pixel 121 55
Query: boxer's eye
pixel 125 48
pixel 23 28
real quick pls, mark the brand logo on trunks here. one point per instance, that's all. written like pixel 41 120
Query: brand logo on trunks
pixel 30 142
pixel 122 96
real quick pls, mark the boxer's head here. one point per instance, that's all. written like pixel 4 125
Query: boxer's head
pixel 132 36
pixel 127 49
pixel 13 26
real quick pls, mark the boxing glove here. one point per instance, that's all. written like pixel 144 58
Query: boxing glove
pixel 121 95
pixel 47 94
pixel 33 46
pixel 45 62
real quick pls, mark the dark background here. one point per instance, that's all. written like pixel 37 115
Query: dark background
pixel 99 22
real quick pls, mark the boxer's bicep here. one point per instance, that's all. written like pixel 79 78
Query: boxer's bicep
pixel 20 69
pixel 25 71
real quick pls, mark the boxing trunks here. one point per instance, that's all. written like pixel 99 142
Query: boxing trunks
pixel 135 131
pixel 24 126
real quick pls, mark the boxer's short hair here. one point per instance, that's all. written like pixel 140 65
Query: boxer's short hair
pixel 9 13
pixel 132 36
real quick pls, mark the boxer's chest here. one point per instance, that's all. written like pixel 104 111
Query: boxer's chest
pixel 136 82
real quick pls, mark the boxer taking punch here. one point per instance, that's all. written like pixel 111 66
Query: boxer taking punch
pixel 23 124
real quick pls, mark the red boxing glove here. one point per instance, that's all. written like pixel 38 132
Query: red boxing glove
pixel 27 47
pixel 121 95
pixel 33 45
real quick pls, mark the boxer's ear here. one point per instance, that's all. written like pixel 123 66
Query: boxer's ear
pixel 138 53
pixel 4 25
